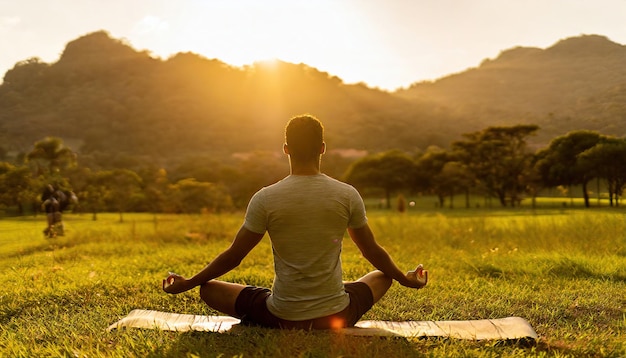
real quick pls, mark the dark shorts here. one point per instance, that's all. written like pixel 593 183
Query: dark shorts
pixel 252 310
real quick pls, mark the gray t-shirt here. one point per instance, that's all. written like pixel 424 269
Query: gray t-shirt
pixel 306 218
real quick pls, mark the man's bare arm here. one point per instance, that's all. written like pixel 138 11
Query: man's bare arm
pixel 378 256
pixel 244 242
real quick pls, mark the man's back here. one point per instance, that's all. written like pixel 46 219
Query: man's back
pixel 306 218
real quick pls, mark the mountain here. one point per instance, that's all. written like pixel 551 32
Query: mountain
pixel 579 83
pixel 105 98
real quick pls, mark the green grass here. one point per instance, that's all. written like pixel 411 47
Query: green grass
pixel 564 271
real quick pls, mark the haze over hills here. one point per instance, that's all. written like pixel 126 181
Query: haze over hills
pixel 103 96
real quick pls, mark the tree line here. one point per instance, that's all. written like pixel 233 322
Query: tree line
pixel 209 186
pixel 495 162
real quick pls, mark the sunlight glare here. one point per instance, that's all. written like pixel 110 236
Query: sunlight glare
pixel 290 31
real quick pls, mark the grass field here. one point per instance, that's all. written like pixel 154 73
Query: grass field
pixel 562 270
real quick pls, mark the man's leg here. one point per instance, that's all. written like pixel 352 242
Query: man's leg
pixel 58 223
pixel 221 295
pixel 50 229
pixel 378 283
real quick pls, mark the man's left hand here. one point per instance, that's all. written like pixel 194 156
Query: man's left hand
pixel 175 283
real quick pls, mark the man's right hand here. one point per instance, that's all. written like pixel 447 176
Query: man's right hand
pixel 417 278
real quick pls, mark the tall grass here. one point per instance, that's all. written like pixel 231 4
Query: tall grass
pixel 564 271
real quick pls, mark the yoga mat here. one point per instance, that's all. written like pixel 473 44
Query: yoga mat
pixel 508 328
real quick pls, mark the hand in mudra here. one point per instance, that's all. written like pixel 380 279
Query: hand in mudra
pixel 418 278
pixel 175 283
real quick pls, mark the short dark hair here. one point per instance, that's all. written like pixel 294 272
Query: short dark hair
pixel 304 135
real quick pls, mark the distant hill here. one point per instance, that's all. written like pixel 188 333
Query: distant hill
pixel 579 83
pixel 104 97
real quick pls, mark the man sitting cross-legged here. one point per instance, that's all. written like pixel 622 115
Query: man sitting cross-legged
pixel 306 215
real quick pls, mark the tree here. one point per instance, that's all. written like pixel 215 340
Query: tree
pixel 440 172
pixel 92 194
pixel 607 159
pixel 390 171
pixel 559 164
pixel 118 189
pixel 155 188
pixel 533 180
pixel 498 158
pixel 455 177
pixel 50 156
pixel 428 168
pixel 16 187
pixel 191 196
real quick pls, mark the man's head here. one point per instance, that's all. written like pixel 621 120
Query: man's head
pixel 304 138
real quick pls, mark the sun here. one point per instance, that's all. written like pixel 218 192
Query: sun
pixel 245 32
pixel 269 63
pixel 241 33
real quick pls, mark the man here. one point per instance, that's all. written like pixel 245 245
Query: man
pixel 306 215
pixel 50 205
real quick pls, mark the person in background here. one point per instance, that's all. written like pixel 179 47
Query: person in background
pixel 54 202
pixel 306 215
pixel 50 205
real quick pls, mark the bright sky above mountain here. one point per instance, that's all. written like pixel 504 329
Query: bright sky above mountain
pixel 384 43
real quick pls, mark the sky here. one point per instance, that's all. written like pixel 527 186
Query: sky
pixel 387 44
